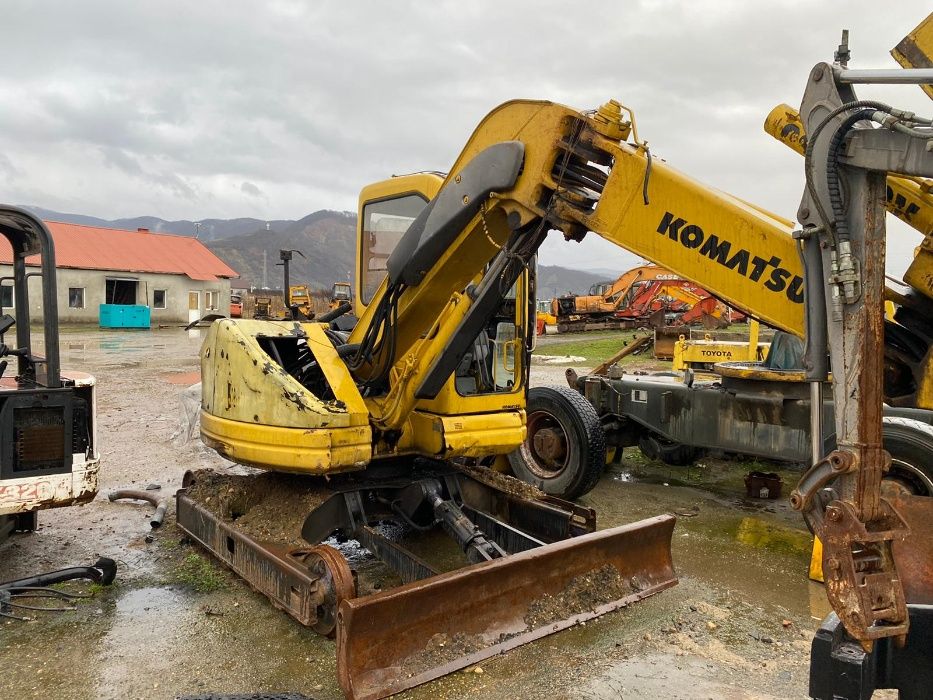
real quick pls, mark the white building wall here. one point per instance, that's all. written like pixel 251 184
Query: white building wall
pixel 94 284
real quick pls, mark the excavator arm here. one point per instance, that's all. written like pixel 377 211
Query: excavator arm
pixel 573 172
pixel 555 163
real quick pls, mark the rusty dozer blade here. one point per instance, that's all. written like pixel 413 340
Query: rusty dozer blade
pixel 407 636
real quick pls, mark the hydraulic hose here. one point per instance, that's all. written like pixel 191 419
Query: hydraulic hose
pixel 832 175
pixel 345 307
pixel 160 503
pixel 104 571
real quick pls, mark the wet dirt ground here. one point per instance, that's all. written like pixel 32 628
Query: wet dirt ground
pixel 738 625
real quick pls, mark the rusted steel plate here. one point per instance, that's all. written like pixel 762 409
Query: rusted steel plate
pixel 399 639
pixel 665 338
pixel 279 573
pixel 914 555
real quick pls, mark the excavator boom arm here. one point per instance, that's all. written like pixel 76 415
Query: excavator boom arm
pixel 738 252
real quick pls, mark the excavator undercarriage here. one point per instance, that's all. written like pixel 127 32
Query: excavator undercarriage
pixel 517 564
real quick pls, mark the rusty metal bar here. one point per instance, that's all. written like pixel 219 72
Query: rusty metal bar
pixel 914 554
pixel 408 567
pixel 284 580
pixel 637 344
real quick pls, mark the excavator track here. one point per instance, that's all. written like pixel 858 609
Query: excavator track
pixel 542 566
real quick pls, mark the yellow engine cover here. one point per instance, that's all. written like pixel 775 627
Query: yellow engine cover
pixel 255 413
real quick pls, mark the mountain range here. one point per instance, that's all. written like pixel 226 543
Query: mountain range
pixel 326 240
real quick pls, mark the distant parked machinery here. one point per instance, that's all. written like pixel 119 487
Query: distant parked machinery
pixel 340 293
pixel 644 295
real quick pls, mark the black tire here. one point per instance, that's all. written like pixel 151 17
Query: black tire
pixel 574 465
pixel 910 444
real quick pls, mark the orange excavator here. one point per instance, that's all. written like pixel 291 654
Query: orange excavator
pixel 647 294
pixel 672 302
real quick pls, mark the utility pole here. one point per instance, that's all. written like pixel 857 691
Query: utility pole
pixel 197 230
pixel 286 256
pixel 264 259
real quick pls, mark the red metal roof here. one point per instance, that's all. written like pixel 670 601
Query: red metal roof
pixel 92 248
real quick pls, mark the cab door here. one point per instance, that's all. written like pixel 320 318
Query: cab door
pixel 386 210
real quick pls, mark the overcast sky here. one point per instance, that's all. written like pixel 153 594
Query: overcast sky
pixel 279 108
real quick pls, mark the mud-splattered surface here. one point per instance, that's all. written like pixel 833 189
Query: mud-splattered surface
pixel 719 633
pixel 582 593
pixel 265 506
pixel 439 650
pixel 504 482
pixel 586 592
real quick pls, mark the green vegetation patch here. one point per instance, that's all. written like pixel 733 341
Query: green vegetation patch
pixel 199 574
pixel 596 347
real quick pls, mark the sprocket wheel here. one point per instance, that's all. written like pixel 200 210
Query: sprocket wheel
pixel 335 583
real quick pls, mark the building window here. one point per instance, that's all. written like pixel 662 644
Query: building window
pixel 75 297
pixel 158 299
pixel 121 291
pixel 6 296
pixel 211 301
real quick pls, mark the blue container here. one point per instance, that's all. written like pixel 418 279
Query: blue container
pixel 124 316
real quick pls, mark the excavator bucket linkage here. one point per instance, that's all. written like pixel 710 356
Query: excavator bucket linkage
pixel 526 564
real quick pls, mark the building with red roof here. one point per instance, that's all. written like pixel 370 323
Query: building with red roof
pixel 177 277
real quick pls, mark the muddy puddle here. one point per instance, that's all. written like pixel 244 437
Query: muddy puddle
pixel 724 540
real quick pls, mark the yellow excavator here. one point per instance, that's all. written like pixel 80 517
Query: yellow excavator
pixel 405 415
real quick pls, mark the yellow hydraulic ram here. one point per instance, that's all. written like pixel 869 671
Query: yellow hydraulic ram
pixel 909 199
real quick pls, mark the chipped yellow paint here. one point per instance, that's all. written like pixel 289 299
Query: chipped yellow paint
pixel 308 451
pixel 240 382
pixel 467 435
pixel 254 412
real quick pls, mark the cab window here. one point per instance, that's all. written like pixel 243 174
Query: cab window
pixel 384 222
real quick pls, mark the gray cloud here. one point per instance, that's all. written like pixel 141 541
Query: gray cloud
pixel 173 108
pixel 250 189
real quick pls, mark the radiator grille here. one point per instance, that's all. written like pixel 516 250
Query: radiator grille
pixel 40 439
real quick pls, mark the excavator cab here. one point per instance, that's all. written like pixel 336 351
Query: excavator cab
pixel 494 362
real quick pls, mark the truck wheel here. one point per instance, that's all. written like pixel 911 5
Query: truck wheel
pixel 910 444
pixel 564 452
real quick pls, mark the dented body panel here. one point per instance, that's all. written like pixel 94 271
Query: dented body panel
pixel 254 412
